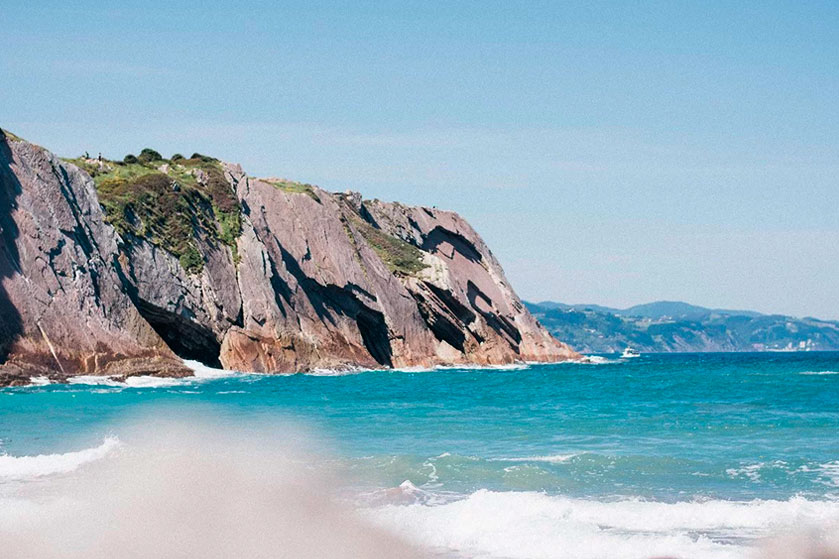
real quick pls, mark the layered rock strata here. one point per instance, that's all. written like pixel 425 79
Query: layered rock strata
pixel 262 275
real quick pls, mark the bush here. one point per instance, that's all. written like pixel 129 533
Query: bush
pixel 129 159
pixel 204 158
pixel 148 155
pixel 191 260
pixel 177 157
pixel 220 191
pixel 171 208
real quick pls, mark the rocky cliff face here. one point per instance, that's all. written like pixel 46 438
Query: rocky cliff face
pixel 192 257
pixel 63 306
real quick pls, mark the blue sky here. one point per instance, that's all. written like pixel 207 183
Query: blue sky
pixel 608 152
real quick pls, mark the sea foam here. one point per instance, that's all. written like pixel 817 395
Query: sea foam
pixel 28 467
pixel 530 525
pixel 551 458
pixel 200 371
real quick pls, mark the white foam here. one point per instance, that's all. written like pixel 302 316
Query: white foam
pixel 552 459
pixel 510 367
pixel 39 381
pixel 145 381
pixel 820 373
pixel 336 372
pixel 753 471
pixel 201 372
pixel 828 473
pixel 595 360
pixel 94 380
pixel 28 467
pixel 475 367
pixel 416 369
pixel 537 526
pixel 241 493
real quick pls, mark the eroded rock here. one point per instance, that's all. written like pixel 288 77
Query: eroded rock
pixel 64 308
pixel 308 279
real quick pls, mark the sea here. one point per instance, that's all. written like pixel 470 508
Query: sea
pixel 707 455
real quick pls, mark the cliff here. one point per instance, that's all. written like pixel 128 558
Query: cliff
pixel 120 268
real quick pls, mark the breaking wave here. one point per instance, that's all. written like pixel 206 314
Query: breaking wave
pixel 200 371
pixel 185 489
pixel 519 525
pixel 28 467
pixel 551 459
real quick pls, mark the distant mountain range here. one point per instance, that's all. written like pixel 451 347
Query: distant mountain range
pixel 668 326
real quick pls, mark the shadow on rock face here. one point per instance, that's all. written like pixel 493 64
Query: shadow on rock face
pixel 11 324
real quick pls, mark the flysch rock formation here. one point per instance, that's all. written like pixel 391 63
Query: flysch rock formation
pixel 309 279
pixel 63 308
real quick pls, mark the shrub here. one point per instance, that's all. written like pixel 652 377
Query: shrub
pixel 130 159
pixel 177 157
pixel 219 190
pixel 148 155
pixel 204 158
pixel 171 208
pixel 191 260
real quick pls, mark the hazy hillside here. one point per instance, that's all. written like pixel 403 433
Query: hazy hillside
pixel 666 326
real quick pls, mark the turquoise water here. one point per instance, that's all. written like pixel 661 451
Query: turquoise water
pixel 678 430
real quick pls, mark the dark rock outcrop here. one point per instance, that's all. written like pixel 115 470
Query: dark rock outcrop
pixel 274 276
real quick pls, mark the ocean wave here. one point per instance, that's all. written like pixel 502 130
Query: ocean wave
pixel 820 373
pixel 595 360
pixel 822 473
pixel 416 369
pixel 477 367
pixel 752 472
pixel 535 525
pixel 94 380
pixel 551 459
pixel 200 372
pixel 39 381
pixel 155 382
pixel 142 381
pixel 336 372
pixel 827 473
pixel 189 489
pixel 28 467
pixel 346 371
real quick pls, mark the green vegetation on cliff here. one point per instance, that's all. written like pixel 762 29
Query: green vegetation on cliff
pixel 10 135
pixel 170 203
pixel 399 256
pixel 296 188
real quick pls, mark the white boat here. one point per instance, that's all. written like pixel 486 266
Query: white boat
pixel 629 352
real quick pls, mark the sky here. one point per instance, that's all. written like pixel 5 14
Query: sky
pixel 608 152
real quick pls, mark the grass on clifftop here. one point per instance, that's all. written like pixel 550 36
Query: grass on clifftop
pixel 296 188
pixel 10 135
pixel 168 202
pixel 399 256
